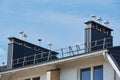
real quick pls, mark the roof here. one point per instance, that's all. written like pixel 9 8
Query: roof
pixel 115 54
pixel 113 57
pixel 30 44
pixel 99 24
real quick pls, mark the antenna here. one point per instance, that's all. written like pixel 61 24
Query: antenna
pixel 21 34
pixel 49 46
pixel 106 23
pixel 39 40
pixel 25 36
pixel 99 19
pixel 3 63
pixel 93 16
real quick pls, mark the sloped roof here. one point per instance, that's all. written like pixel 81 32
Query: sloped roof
pixel 115 55
pixel 31 45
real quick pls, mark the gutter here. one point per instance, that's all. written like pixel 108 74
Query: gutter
pixel 110 59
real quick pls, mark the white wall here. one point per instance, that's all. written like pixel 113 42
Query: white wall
pixel 108 72
pixel 117 77
pixel 68 74
pixel 71 71
pixel 42 77
pixel 28 74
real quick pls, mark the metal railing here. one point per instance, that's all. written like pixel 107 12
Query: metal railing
pixel 62 53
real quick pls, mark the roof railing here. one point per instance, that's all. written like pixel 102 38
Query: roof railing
pixel 62 53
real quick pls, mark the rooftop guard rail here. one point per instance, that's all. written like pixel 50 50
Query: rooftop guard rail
pixel 62 53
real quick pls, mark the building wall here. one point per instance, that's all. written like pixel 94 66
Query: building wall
pixel 117 77
pixel 68 74
pixel 34 72
pixel 31 73
pixel 108 72
pixel 70 71
pixel 28 74
pixel 53 74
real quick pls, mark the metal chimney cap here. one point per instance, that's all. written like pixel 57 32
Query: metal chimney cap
pixel 93 16
pixel 21 32
pixel 50 44
pixel 39 39
pixel 99 19
pixel 24 35
pixel 106 22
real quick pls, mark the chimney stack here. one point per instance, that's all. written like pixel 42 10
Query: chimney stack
pixel 97 36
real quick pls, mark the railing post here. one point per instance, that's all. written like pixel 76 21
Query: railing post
pixel 62 52
pixel 95 43
pixel 78 48
pixel 49 55
pixel 24 60
pixel 42 55
pixel 17 60
pixel 104 40
pixel 89 46
pixel 12 63
pixel 70 49
pixel 34 59
pixel 85 47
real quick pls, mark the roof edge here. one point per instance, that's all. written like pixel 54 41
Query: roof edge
pixel 73 58
pixel 91 21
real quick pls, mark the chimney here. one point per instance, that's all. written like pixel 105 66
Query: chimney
pixel 97 36
pixel 22 53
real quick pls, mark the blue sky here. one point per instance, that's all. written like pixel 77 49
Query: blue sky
pixel 58 21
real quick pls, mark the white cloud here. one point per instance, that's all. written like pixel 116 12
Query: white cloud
pixel 2 51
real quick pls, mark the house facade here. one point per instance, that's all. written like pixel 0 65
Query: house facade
pixel 98 60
